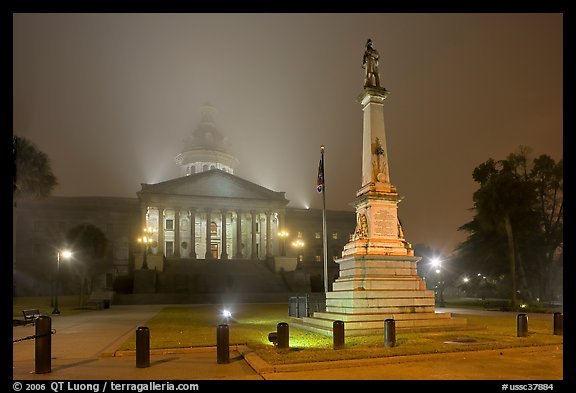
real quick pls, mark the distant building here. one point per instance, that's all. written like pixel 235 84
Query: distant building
pixel 207 214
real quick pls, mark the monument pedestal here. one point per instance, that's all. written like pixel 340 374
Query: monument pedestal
pixel 373 288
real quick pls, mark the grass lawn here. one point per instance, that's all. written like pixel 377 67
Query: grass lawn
pixel 196 326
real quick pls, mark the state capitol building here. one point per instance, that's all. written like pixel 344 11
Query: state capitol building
pixel 211 232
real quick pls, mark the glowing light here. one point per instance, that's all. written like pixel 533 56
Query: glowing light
pixel 226 314
pixel 298 243
pixel 465 279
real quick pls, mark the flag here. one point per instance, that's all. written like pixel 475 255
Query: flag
pixel 320 181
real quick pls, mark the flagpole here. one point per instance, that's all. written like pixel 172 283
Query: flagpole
pixel 325 246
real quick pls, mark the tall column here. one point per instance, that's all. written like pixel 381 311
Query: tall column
pixel 254 254
pixel 193 233
pixel 160 230
pixel 143 215
pixel 268 238
pixel 374 153
pixel 208 254
pixel 238 234
pixel 281 241
pixel 177 233
pixel 224 253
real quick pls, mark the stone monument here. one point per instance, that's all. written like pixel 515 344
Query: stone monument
pixel 378 278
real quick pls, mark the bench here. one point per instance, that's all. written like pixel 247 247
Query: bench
pixel 101 299
pixel 30 315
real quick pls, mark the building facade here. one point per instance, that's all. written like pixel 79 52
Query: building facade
pixel 206 214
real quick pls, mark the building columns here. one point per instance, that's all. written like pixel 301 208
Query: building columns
pixel 177 233
pixel 238 234
pixel 254 254
pixel 193 233
pixel 160 231
pixel 224 253
pixel 268 237
pixel 208 254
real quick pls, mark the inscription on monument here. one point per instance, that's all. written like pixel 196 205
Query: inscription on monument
pixel 384 223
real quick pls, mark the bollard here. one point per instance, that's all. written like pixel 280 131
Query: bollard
pixel 558 324
pixel 522 325
pixel 338 334
pixel 43 345
pixel 283 335
pixel 389 333
pixel 222 344
pixel 142 347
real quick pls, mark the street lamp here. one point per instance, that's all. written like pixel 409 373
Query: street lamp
pixel 146 240
pixel 298 244
pixel 437 263
pixel 65 254
pixel 283 235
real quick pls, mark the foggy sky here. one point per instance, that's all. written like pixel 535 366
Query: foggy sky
pixel 110 99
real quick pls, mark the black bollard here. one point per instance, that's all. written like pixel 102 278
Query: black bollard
pixel 338 334
pixel 522 325
pixel 283 335
pixel 222 344
pixel 142 347
pixel 389 333
pixel 43 345
pixel 558 324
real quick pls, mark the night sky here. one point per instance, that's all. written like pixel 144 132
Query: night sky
pixel 110 99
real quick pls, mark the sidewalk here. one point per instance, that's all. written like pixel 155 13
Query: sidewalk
pixel 84 348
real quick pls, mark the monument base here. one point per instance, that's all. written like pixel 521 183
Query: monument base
pixel 370 290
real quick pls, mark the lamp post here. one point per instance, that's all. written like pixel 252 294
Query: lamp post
pixel 146 240
pixel 65 254
pixel 437 263
pixel 283 235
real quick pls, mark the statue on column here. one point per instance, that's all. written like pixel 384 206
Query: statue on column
pixel 379 163
pixel 370 64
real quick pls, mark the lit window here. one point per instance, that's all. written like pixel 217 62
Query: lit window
pixel 335 235
pixel 317 235
pixel 170 225
pixel 299 235
pixel 213 228
pixel 318 258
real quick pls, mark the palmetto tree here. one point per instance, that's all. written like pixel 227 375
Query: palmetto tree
pixel 503 198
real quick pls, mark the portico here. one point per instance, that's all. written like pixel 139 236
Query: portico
pixel 238 220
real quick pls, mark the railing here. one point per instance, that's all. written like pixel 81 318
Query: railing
pixel 306 305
